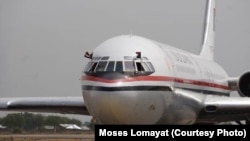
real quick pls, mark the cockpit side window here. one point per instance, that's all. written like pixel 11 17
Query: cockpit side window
pixel 146 68
pixel 139 66
pixel 119 66
pixel 93 67
pixel 101 66
pixel 151 66
pixel 88 66
pixel 129 66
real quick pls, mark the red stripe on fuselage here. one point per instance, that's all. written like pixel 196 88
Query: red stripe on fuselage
pixel 156 78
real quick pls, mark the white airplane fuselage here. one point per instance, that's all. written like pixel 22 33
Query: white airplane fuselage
pixel 152 88
pixel 134 80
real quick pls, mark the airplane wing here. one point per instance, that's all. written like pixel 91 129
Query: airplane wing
pixel 63 105
pixel 223 109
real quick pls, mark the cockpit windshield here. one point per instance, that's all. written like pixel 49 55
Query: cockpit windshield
pixel 129 66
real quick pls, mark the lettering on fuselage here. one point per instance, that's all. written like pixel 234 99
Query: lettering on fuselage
pixel 182 58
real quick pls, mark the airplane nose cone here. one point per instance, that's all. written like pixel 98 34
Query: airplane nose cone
pixel 124 105
pixel 109 107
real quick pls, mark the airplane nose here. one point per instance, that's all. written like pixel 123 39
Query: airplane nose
pixel 119 104
pixel 109 107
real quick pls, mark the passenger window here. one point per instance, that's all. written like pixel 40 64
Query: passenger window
pixel 139 66
pixel 110 66
pixel 101 66
pixel 119 67
pixel 129 66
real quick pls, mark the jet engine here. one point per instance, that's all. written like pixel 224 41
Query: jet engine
pixel 243 85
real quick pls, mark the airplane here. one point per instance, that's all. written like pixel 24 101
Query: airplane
pixel 130 79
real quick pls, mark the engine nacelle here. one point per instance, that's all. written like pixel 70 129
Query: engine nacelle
pixel 243 84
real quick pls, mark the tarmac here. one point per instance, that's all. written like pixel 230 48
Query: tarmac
pixel 47 137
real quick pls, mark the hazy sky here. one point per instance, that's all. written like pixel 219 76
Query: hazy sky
pixel 42 42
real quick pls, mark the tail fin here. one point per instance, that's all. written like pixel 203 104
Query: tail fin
pixel 207 50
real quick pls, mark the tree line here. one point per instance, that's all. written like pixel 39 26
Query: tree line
pixel 34 122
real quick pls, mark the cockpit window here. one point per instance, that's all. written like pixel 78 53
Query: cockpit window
pixel 105 58
pixel 93 67
pixel 130 66
pixel 87 68
pixel 151 67
pixel 139 66
pixel 119 66
pixel 110 66
pixel 146 68
pixel 96 58
pixel 101 67
pixel 128 58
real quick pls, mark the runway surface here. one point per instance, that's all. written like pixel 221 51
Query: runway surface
pixel 47 137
